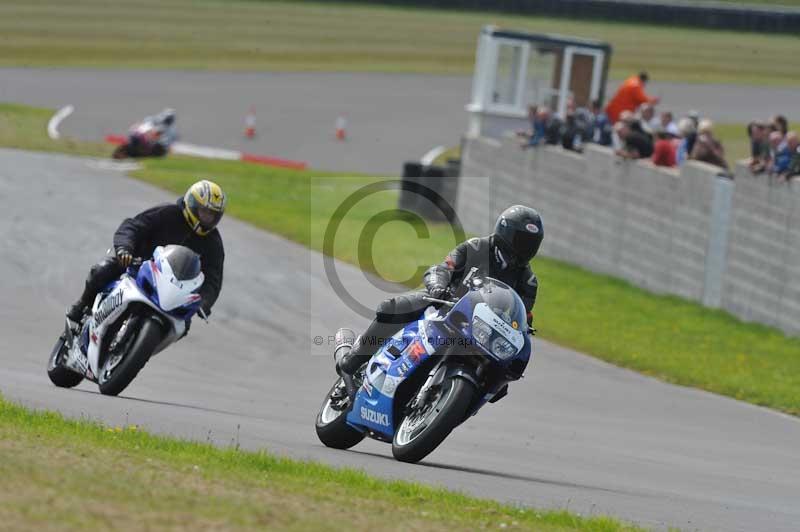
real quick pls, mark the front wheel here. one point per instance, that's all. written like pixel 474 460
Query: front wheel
pixel 119 369
pixel 59 375
pixel 332 427
pixel 425 427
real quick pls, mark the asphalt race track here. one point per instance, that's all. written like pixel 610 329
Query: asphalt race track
pixel 391 117
pixel 575 433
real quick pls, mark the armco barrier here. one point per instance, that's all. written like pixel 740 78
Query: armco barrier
pixel 728 244
pixel 707 14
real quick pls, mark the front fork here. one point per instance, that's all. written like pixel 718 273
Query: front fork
pixel 435 378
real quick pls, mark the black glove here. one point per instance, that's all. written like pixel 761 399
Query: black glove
pixel 438 292
pixel 124 257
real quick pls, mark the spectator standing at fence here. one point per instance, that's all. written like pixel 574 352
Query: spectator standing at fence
pixel 667 123
pixel 602 128
pixel 545 127
pixel 647 116
pixel 780 124
pixel 636 144
pixel 707 148
pixel 629 97
pixel 759 147
pixel 793 142
pixel 664 149
pixel 781 152
pixel 688 135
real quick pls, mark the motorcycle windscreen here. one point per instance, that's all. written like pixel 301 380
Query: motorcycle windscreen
pixel 505 303
pixel 184 262
pixel 177 289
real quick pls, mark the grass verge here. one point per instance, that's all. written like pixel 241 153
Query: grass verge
pixel 25 127
pixel 667 337
pixel 57 474
pixel 259 35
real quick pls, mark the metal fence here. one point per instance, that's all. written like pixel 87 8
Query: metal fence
pixel 716 15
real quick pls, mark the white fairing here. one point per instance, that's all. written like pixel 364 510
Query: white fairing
pixel 515 336
pixel 173 293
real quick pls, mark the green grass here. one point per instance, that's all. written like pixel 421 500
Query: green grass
pixel 25 127
pixel 666 337
pixel 247 35
pixel 57 474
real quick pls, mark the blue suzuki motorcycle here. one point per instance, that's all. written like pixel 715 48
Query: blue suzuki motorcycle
pixel 434 374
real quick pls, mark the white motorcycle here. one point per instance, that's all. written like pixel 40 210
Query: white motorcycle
pixel 138 315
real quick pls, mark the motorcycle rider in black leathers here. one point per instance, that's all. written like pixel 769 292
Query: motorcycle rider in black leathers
pixel 190 222
pixel 503 255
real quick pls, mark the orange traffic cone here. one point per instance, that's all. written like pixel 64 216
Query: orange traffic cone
pixel 250 124
pixel 341 128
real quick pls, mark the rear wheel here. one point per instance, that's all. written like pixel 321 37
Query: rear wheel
pixel 427 425
pixel 332 427
pixel 121 367
pixel 59 375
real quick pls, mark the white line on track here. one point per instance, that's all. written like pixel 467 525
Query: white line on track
pixel 55 120
pixel 431 156
pixel 203 151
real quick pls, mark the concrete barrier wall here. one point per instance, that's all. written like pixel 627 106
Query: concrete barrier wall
pixel 762 280
pixel 688 232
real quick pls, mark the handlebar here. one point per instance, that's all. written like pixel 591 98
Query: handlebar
pixel 440 301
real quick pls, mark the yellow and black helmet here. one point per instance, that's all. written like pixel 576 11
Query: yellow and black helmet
pixel 203 206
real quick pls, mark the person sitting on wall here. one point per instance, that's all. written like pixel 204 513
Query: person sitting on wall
pixel 707 148
pixel 629 97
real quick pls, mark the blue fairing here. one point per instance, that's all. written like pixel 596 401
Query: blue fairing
pixel 390 366
pixel 393 363
pixel 146 282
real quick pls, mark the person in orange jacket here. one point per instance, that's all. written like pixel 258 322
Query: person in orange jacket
pixel 629 97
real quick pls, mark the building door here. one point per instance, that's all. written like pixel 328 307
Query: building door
pixel 581 72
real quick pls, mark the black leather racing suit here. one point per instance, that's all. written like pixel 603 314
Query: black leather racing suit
pixel 160 226
pixel 396 312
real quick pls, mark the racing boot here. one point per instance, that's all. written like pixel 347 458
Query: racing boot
pixel 76 311
pixel 365 346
